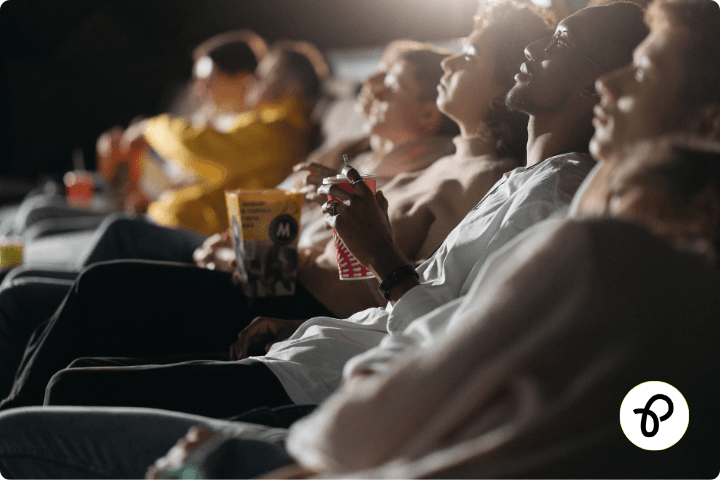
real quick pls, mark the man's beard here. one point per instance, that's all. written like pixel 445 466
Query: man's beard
pixel 518 99
pixel 515 101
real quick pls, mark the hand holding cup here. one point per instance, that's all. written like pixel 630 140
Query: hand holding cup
pixel 313 180
pixel 361 220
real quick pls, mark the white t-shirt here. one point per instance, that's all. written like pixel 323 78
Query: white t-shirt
pixel 310 363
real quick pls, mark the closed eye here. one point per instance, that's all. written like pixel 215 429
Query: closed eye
pixel 556 41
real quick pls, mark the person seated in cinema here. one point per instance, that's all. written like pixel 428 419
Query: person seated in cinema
pixel 526 383
pixel 527 377
pixel 674 75
pixel 223 70
pixel 26 300
pixel 463 72
pixel 647 118
pixel 308 365
pixel 257 151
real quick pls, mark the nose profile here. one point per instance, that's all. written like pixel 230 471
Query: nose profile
pixel 375 79
pixel 608 85
pixel 446 63
pixel 534 50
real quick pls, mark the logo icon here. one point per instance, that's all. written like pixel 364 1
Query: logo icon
pixel 283 229
pixel 654 415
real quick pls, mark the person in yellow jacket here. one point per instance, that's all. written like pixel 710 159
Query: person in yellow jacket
pixel 257 149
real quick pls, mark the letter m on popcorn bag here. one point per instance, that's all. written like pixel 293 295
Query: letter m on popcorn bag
pixel 265 227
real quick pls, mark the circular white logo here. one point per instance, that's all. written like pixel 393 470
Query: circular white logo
pixel 654 415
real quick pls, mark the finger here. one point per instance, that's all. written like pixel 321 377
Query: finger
pixel 359 187
pixel 334 191
pixel 382 202
pixel 351 173
pixel 315 198
pixel 316 180
pixel 315 168
pixel 339 207
pixel 330 222
pixel 243 344
pixel 233 355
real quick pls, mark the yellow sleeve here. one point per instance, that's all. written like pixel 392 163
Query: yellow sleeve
pixel 205 152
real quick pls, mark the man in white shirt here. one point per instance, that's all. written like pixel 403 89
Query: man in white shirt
pixel 556 89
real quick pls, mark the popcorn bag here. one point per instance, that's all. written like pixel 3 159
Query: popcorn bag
pixel 265 226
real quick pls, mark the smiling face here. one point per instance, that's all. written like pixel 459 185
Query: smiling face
pixel 468 87
pixel 558 66
pixel 397 112
pixel 642 100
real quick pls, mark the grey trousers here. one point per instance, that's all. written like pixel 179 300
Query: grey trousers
pixel 77 442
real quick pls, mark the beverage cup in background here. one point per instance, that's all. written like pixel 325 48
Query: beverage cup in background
pixel 80 188
pixel 349 267
pixel 11 252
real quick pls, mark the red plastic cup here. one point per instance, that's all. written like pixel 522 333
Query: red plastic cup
pixel 80 188
pixel 349 267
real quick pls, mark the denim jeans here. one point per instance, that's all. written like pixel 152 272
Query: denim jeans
pixel 76 442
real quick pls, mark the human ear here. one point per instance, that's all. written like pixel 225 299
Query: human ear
pixel 430 116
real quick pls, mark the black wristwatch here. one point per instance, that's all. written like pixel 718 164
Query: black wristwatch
pixel 394 278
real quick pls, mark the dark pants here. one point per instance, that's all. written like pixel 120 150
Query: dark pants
pixel 202 384
pixel 120 237
pixel 29 296
pixel 140 309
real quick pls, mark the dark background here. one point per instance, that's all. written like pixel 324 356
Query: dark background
pixel 71 69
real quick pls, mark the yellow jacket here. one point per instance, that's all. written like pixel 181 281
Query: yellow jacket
pixel 257 152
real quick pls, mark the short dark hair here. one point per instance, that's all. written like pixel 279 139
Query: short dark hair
pixel 517 25
pixel 303 63
pixel 624 16
pixel 701 56
pixel 233 52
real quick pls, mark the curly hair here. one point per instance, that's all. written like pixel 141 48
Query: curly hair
pixel 517 25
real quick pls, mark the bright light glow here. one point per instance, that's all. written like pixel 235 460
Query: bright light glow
pixel 542 3
pixel 203 67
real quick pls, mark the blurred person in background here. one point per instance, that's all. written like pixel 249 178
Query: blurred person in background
pixel 223 71
pixel 257 150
